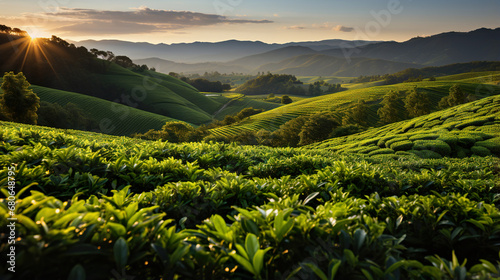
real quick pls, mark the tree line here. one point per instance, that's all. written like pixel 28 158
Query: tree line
pixel 201 84
pixel 304 130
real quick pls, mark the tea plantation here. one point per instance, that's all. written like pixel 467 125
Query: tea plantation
pixel 416 206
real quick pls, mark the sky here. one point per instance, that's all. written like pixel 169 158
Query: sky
pixel 271 21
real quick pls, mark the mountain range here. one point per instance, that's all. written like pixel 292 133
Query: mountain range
pixel 205 51
pixel 313 58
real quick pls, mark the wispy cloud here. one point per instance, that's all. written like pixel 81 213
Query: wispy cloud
pixel 343 28
pixel 295 27
pixel 135 21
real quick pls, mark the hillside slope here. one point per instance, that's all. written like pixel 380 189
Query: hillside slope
pixel 343 101
pixel 112 118
pixel 465 130
pixel 56 64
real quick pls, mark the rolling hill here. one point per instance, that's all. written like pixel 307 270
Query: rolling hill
pixel 461 131
pixel 112 118
pixel 65 67
pixel 343 101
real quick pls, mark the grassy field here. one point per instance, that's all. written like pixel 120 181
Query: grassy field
pixel 342 102
pixel 94 206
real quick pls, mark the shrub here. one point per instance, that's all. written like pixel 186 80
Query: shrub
pixel 438 146
pixel 424 137
pixel 402 145
pixel 480 151
pixel 381 142
pixel 427 154
pixel 449 139
pixel 381 152
pixel 388 143
pixel 462 153
pixel 492 144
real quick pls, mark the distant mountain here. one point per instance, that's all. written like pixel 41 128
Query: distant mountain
pixel 312 58
pixel 167 66
pixel 255 61
pixel 203 51
pixel 441 49
pixel 324 65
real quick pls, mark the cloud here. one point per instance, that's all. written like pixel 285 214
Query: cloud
pixel 136 21
pixel 342 28
pixel 296 27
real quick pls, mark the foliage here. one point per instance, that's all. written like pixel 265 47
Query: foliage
pixel 18 102
pixel 417 104
pixel 454 98
pixel 109 207
pixel 389 112
pixel 317 128
pixel 285 99
pixel 270 83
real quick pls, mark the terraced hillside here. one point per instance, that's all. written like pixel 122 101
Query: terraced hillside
pixel 343 101
pixel 160 94
pixel 113 118
pixel 461 131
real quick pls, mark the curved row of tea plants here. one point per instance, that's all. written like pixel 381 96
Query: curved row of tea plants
pixel 102 207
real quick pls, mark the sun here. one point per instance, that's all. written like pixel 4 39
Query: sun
pixel 34 35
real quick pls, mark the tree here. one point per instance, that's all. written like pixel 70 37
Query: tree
pixel 317 128
pixel 390 112
pixel 417 103
pixel 454 98
pixel 18 102
pixel 123 61
pixel 177 131
pixel 357 115
pixel 288 133
pixel 285 99
pixel 247 112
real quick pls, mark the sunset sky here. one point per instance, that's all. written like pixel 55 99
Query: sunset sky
pixel 174 21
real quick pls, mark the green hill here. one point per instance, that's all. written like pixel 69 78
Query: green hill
pixel 65 67
pixel 465 130
pixel 113 118
pixel 343 101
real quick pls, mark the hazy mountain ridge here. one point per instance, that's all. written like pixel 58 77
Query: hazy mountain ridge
pixel 436 50
pixel 372 59
pixel 197 52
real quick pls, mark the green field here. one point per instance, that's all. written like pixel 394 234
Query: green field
pixel 343 101
pixel 94 206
